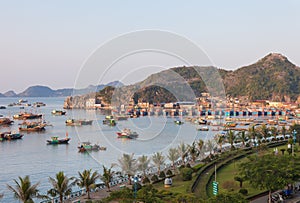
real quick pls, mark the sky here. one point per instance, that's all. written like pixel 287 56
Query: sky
pixel 48 42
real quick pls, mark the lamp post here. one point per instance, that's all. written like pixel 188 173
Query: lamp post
pixel 135 180
pixel 294 140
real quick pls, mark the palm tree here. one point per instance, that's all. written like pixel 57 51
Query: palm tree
pixel 173 156
pixel 220 140
pixel 143 164
pixel 24 190
pixel 62 185
pixel 87 180
pixel 183 151
pixel 231 138
pixel 264 131
pixel 158 159
pixel 128 165
pixel 193 151
pixel 200 145
pixel 252 133
pixel 210 145
pixel 107 176
pixel 243 137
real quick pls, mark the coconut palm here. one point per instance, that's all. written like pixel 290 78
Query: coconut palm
pixel 193 152
pixel 158 159
pixel 62 185
pixel 243 137
pixel 173 156
pixel 231 138
pixel 107 176
pixel 24 190
pixel 87 180
pixel 128 165
pixel 200 145
pixel 183 151
pixel 264 131
pixel 220 140
pixel 210 146
pixel 143 164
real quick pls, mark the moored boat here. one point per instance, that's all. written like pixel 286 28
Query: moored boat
pixel 87 146
pixel 74 122
pixel 127 133
pixel 58 112
pixel 25 116
pixel 32 126
pixel 121 117
pixel 5 121
pixel 10 136
pixel 203 128
pixel 110 122
pixel 55 140
pixel 178 122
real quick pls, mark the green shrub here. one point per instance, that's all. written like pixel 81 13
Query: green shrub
pixel 162 175
pixel 146 180
pixel 186 174
pixel 154 178
pixel 243 191
pixel 169 173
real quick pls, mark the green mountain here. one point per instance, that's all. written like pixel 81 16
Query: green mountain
pixel 273 77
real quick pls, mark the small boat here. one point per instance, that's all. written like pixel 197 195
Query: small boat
pixel 74 122
pixel 39 104
pixel 2 107
pixel 5 121
pixel 25 116
pixel 230 124
pixel 87 146
pixel 178 122
pixel 110 122
pixel 58 112
pixel 202 122
pixel 32 126
pixel 10 136
pixel 127 133
pixel 121 117
pixel 55 140
pixel 203 128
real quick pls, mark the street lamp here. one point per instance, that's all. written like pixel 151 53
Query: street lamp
pixel 135 180
pixel 294 135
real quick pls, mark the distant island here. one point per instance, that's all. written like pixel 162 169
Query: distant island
pixel 44 91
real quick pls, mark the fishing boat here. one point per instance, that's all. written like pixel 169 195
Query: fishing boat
pixel 230 124
pixel 25 116
pixel 203 128
pixel 87 146
pixel 39 104
pixel 32 126
pixel 127 133
pixel 2 107
pixel 58 112
pixel 55 140
pixel 74 122
pixel 23 101
pixel 121 117
pixel 110 122
pixel 5 121
pixel 178 122
pixel 10 136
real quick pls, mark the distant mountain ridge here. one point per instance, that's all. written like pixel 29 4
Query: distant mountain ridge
pixel 44 91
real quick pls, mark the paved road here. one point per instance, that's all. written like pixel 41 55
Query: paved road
pixel 264 199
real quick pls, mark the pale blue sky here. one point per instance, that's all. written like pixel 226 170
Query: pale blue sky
pixel 46 42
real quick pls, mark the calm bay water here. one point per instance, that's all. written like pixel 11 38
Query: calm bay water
pixel 31 156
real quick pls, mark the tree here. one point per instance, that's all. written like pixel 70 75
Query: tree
pixel 231 138
pixel 220 140
pixel 243 137
pixel 210 146
pixel 173 156
pixel 228 198
pixel 183 151
pixel 24 190
pixel 264 131
pixel 240 180
pixel 62 185
pixel 87 180
pixel 158 159
pixel 107 176
pixel 252 133
pixel 128 165
pixel 143 164
pixel 193 151
pixel 200 145
pixel 270 172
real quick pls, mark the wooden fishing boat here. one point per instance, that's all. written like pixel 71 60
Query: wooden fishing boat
pixel 55 140
pixel 10 136
pixel 87 146
pixel 178 122
pixel 25 116
pixel 74 122
pixel 203 128
pixel 58 112
pixel 127 133
pixel 5 121
pixel 32 126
